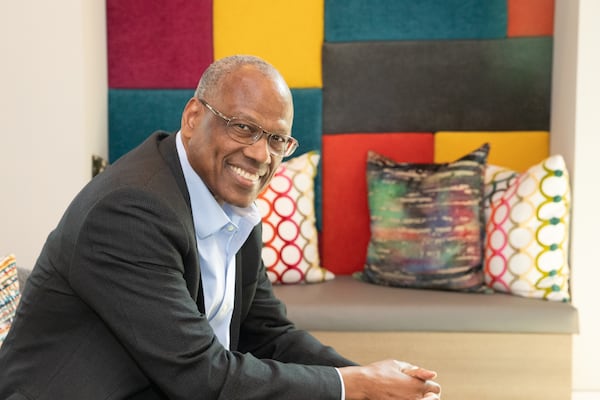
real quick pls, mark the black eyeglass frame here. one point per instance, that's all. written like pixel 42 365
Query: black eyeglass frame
pixel 254 134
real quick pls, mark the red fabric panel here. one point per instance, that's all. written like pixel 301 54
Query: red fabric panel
pixel 530 18
pixel 158 43
pixel 346 225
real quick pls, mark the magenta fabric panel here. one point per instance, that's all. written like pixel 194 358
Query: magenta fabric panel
pixel 158 43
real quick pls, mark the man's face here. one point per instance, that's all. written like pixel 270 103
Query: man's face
pixel 236 173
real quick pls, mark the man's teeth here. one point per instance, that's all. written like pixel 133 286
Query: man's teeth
pixel 245 174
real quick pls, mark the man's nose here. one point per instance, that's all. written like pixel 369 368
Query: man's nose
pixel 259 150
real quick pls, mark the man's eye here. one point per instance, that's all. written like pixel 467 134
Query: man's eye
pixel 278 139
pixel 244 128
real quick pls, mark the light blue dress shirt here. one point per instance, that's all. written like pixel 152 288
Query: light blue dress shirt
pixel 221 230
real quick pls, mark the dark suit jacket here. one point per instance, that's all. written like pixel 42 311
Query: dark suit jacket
pixel 113 308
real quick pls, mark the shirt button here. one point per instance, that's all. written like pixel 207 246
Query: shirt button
pixel 230 228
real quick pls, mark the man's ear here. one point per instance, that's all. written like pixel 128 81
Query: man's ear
pixel 190 116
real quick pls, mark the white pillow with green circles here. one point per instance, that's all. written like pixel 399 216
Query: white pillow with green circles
pixel 527 230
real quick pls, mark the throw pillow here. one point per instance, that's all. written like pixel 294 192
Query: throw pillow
pixel 526 252
pixel 290 240
pixel 427 223
pixel 9 294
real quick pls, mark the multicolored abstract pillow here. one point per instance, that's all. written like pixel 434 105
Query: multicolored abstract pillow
pixel 9 294
pixel 526 251
pixel 427 223
pixel 290 242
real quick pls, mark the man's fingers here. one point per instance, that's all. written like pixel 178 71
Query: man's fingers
pixel 433 387
pixel 419 373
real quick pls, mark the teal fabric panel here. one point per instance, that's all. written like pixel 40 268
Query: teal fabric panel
pixel 307 129
pixel 136 113
pixel 358 20
pixel 427 86
pixel 133 114
pixel 308 119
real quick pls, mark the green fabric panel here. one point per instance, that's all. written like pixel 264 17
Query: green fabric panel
pixel 356 20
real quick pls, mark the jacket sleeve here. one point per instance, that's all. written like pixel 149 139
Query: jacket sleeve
pixel 266 331
pixel 128 267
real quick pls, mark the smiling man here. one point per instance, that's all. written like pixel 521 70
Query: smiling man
pixel 152 285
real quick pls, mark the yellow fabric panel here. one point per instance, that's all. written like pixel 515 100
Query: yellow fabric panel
pixel 517 150
pixel 288 34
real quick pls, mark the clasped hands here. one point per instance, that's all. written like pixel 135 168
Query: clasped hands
pixel 390 379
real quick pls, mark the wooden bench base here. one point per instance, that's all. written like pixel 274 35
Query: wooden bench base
pixel 472 366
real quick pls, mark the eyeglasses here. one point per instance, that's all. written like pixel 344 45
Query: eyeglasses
pixel 246 132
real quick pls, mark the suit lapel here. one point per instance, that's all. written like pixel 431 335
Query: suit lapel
pixel 168 150
pixel 234 328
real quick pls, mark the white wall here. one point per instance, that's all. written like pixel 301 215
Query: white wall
pixel 53 113
pixel 576 134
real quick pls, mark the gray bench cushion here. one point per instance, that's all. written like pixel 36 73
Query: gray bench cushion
pixel 346 304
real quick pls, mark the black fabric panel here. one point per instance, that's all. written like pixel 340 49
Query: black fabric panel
pixel 406 86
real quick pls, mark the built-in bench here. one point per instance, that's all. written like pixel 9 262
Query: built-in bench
pixel 483 346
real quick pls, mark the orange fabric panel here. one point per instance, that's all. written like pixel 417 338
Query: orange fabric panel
pixel 530 18
pixel 346 223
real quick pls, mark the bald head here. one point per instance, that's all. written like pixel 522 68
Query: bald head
pixel 214 76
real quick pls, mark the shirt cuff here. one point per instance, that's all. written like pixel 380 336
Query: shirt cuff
pixel 343 396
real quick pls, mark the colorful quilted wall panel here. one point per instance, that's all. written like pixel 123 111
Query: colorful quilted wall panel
pixel 345 230
pixel 473 71
pixel 437 85
pixel 359 20
pixel 288 34
pixel 158 43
